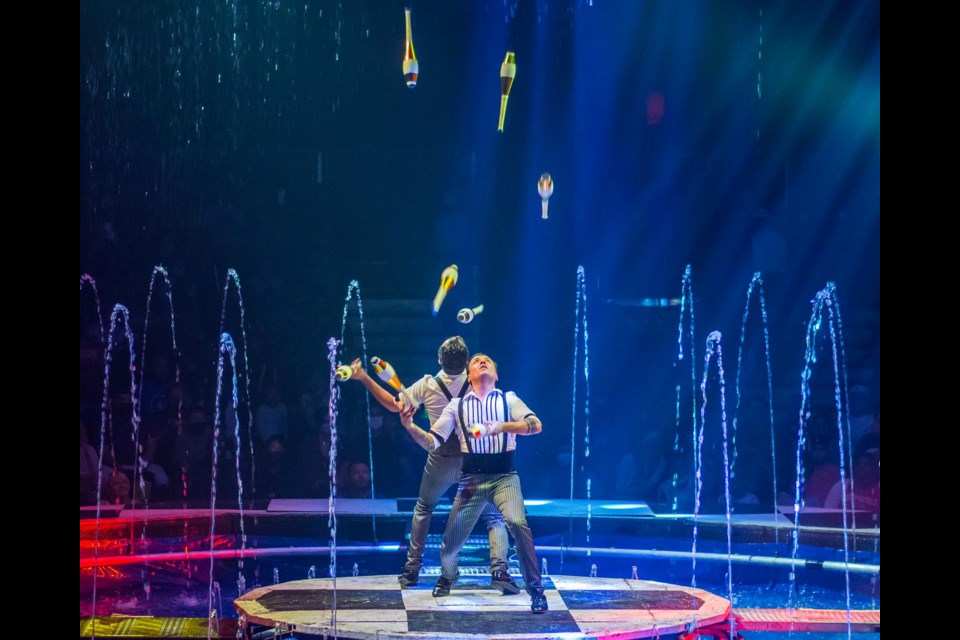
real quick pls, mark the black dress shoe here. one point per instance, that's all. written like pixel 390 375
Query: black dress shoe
pixel 408 578
pixel 501 581
pixel 442 588
pixel 538 602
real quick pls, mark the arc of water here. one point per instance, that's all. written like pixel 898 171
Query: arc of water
pixel 355 286
pixel 698 475
pixel 686 297
pixel 580 301
pixel 96 296
pixel 238 446
pixel 810 357
pixel 140 465
pixel 823 299
pixel 714 348
pixel 233 276
pixel 161 270
pixel 831 290
pixel 226 348
pixel 834 343
pixel 333 346
pixel 756 284
pixel 120 312
pixel 586 403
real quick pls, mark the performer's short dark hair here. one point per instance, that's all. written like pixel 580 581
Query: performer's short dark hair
pixel 453 355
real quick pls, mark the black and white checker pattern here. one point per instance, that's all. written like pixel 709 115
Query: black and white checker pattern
pixel 371 607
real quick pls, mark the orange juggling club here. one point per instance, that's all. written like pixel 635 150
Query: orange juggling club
pixel 411 69
pixel 447 279
pixel 386 373
pixel 508 71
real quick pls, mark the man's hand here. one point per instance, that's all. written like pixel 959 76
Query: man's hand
pixel 406 413
pixel 488 428
pixel 424 439
pixel 358 371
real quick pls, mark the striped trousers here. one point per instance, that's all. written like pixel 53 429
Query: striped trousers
pixel 476 491
pixel 439 474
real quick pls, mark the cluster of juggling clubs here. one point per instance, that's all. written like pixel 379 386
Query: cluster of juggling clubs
pixel 449 276
pixel 508 73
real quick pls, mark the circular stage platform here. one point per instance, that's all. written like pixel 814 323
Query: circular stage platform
pixel 369 607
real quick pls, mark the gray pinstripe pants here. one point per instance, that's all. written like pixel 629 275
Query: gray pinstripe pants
pixel 439 474
pixel 475 491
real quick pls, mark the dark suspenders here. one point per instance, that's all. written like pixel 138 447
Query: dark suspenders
pixel 463 424
pixel 446 392
pixel 463 427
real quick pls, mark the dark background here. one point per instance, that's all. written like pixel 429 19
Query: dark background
pixel 279 139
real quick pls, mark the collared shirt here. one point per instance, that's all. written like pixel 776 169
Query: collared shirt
pixel 427 392
pixel 480 410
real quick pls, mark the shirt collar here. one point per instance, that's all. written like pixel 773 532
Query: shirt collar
pixel 493 392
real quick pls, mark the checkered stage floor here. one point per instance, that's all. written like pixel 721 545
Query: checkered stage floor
pixel 370 607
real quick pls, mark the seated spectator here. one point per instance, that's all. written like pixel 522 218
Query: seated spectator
pixel 117 490
pixel 356 480
pixel 275 474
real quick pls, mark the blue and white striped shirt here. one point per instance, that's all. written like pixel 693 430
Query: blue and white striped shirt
pixel 479 410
